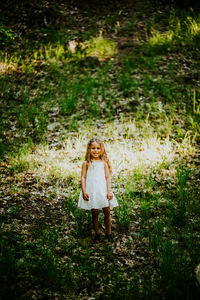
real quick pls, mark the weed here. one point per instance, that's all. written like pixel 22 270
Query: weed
pixel 129 25
pixel 69 103
pixel 182 30
pixel 156 236
pixel 82 218
pixel 13 211
pixel 100 47
pixel 145 210
pixel 129 287
pixel 177 209
pixel 196 106
pixel 123 215
pixel 6 33
pixel 126 85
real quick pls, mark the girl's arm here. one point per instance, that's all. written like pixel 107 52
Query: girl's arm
pixel 83 180
pixel 108 181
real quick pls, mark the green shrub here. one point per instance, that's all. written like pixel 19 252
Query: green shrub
pixel 6 33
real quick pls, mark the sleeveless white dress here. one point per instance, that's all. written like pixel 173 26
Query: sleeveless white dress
pixel 96 188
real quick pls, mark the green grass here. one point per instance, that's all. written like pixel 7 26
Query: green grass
pixel 144 104
pixel 183 31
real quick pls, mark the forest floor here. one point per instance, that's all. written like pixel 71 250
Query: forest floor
pixel 128 74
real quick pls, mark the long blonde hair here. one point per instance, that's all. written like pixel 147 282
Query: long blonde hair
pixel 103 155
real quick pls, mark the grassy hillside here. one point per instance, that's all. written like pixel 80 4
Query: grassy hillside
pixel 128 74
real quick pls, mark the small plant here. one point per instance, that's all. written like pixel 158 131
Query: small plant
pixel 168 260
pixel 176 278
pixel 82 218
pixel 127 85
pixel 178 206
pixel 123 215
pixel 129 25
pixel 182 30
pixel 100 47
pixel 27 68
pixel 159 42
pixel 70 102
pixel 13 211
pixel 6 33
pixel 193 29
pixel 145 210
pixel 156 236
pixel 196 104
pixel 128 286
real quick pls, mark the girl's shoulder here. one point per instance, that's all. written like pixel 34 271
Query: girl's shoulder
pixel 85 166
pixel 107 167
pixel 105 164
pixel 85 163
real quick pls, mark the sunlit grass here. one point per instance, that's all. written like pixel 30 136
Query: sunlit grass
pixel 193 26
pixel 158 38
pixel 100 47
pixel 7 67
pixel 127 153
pixel 180 31
pixel 55 54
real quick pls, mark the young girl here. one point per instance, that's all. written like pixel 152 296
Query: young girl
pixel 96 185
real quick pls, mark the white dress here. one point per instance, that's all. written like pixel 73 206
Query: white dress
pixel 96 188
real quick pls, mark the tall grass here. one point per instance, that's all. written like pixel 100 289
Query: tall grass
pixel 100 47
pixel 183 30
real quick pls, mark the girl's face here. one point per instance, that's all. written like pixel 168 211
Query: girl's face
pixel 95 150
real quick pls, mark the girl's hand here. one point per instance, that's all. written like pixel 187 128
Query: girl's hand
pixel 109 196
pixel 85 196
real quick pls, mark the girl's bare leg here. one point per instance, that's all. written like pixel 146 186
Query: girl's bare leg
pixel 107 219
pixel 95 221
